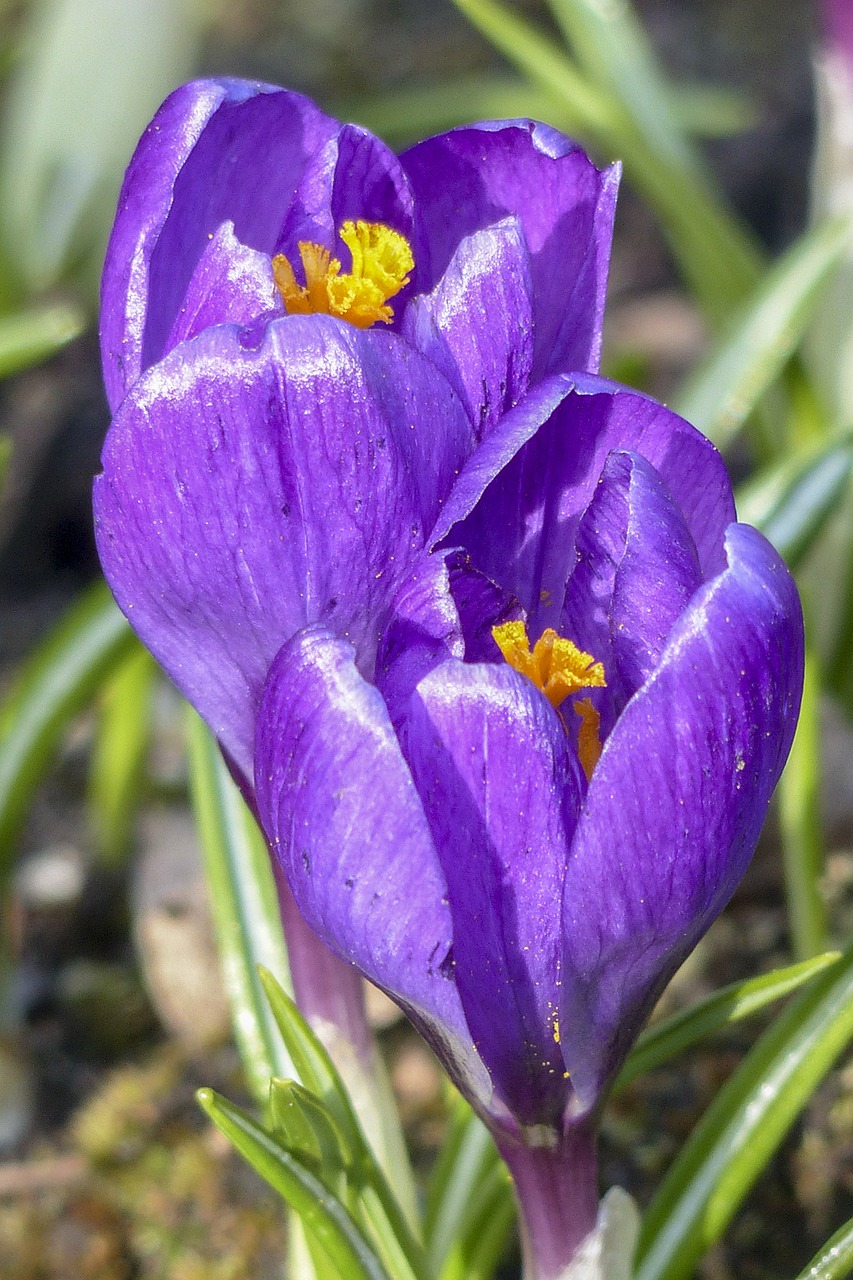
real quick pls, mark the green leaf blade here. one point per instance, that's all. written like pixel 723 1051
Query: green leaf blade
pixel 720 396
pixel 658 1044
pixel 245 908
pixel 835 1260
pixel 746 1123
pixel 118 758
pixel 29 337
pixel 58 680
pixel 325 1218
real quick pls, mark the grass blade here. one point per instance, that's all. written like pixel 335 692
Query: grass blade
pixel 380 1208
pixel 673 1035
pixel 614 49
pixel 118 758
pixel 467 1157
pixel 800 823
pixel 58 680
pixel 28 337
pixel 744 1126
pixel 835 1260
pixel 325 1218
pixel 719 398
pixel 245 908
pixel 792 502
pixel 716 253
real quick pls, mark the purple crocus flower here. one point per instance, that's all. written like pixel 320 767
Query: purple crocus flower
pixel 479 634
pixel 268 467
pixel 524 880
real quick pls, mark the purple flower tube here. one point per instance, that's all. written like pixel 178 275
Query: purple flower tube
pixel 477 630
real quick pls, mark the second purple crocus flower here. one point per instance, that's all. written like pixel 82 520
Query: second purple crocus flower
pixel 507 682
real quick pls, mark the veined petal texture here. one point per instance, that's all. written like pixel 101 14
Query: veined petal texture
pixel 676 803
pixel 472 177
pixel 248 491
pixel 217 151
pixel 337 800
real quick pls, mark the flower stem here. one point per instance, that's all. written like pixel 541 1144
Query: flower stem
pixel 557 1193
pixel 328 991
pixel 330 994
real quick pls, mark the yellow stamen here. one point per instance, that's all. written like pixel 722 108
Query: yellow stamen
pixel 381 262
pixel 559 668
pixel 555 665
pixel 589 737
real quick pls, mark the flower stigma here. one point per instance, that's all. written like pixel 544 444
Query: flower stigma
pixel 381 262
pixel 559 668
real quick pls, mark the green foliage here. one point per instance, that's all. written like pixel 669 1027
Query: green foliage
pixel 744 1126
pixel 835 1260
pixel 245 907
pixel 116 778
pixel 671 1036
pixel 58 680
pixel 28 337
pixel 313 1148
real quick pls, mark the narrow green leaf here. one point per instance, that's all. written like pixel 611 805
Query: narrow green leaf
pixel 613 48
pixel 71 118
pixel 545 64
pixel 711 111
pixel 483 1229
pixel 801 825
pixel 405 115
pixel 673 1035
pixel 317 1072
pixel 312 1064
pixel 29 337
pixel 5 457
pixel 245 907
pixel 58 680
pixel 792 501
pixel 118 758
pixel 721 395
pixel 304 1126
pixel 716 253
pixel 835 1260
pixel 325 1218
pixel 466 1158
pixel 745 1125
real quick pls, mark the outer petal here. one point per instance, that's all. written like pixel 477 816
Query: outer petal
pixel 217 150
pixel 477 324
pixel 247 492
pixel 473 177
pixel 517 503
pixel 338 803
pixel 501 793
pixel 636 569
pixel 676 803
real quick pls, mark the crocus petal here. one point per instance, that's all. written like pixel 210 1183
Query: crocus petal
pixel 676 803
pixel 636 569
pixel 217 150
pixel 337 800
pixel 249 491
pixel 477 323
pixel 230 283
pixel 517 503
pixel 424 630
pixel 353 176
pixel 500 789
pixel 470 178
